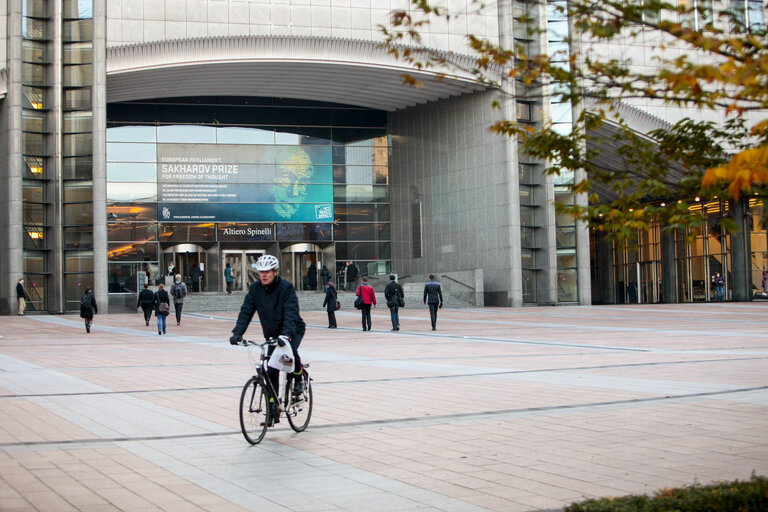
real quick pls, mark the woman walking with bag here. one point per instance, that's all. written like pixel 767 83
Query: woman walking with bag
pixel 162 304
pixel 330 304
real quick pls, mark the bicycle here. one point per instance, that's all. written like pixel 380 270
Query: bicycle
pixel 260 403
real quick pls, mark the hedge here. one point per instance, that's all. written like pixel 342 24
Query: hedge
pixel 750 496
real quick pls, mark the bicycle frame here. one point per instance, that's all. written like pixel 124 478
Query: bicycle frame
pixel 256 405
pixel 262 367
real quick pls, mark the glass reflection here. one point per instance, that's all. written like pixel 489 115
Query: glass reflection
pixel 127 251
pixel 239 135
pixel 131 172
pixel 187 134
pixel 132 134
pixel 135 192
pixel 119 152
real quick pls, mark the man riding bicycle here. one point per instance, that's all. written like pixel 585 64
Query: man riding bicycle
pixel 276 302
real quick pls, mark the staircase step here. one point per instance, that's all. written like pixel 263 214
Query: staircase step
pixel 308 301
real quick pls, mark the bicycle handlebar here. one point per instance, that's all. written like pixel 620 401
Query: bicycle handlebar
pixel 265 343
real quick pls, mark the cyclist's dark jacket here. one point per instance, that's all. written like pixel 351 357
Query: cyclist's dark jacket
pixel 278 308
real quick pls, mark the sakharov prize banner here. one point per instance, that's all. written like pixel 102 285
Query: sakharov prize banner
pixel 244 183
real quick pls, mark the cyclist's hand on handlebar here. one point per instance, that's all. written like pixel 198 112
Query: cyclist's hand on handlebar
pixel 235 339
pixel 283 339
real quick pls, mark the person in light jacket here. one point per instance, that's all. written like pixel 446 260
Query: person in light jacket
pixel 178 292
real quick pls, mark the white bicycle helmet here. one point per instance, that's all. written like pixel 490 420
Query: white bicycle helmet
pixel 267 262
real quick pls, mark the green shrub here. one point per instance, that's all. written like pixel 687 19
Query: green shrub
pixel 751 496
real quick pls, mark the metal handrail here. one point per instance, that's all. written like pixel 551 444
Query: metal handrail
pixel 459 282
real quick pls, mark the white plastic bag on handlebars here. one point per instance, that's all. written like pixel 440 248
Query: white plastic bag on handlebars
pixel 282 358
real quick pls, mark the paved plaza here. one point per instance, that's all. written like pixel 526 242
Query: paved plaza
pixel 525 409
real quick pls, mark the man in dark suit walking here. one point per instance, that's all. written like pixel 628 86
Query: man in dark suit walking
pixel 433 297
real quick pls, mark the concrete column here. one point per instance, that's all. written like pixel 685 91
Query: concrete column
pixel 56 287
pixel 740 248
pixel 99 109
pixel 606 271
pixel 12 213
pixel 509 111
pixel 668 268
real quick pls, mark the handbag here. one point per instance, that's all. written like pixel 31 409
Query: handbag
pixel 359 303
pixel 163 308
pixel 282 358
pixel 337 306
pixel 401 302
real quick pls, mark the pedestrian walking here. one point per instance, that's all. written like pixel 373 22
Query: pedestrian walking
pixel 325 275
pixel 178 292
pixel 229 279
pixel 395 300
pixel 162 305
pixel 369 299
pixel 88 308
pixel 433 297
pixel 312 277
pixel 330 304
pixel 719 283
pixel 145 302
pixel 194 275
pixel 21 295
pixel 352 275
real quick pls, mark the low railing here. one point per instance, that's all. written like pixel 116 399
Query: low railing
pixel 472 288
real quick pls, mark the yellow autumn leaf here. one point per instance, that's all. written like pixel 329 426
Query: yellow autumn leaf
pixel 745 168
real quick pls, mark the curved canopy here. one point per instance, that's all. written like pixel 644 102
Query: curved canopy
pixel 351 72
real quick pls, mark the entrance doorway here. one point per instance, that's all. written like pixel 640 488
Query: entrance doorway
pixel 243 264
pixel 301 264
pixel 189 260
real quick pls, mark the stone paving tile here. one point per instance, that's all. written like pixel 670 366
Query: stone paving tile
pixel 500 409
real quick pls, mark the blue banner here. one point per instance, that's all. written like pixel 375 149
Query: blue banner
pixel 250 212
pixel 251 183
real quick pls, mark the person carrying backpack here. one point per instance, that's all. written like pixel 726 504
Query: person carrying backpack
pixel 178 292
pixel 88 308
pixel 395 300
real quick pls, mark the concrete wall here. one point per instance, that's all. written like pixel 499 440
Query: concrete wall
pixel 141 21
pixel 444 157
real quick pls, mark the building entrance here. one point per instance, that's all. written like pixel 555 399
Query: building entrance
pixel 243 265
pixel 189 261
pixel 300 264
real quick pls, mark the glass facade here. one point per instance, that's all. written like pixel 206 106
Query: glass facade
pixel 36 181
pixel 184 170
pixel 637 264
pixel 77 149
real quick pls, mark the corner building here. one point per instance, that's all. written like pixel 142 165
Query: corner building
pixel 139 135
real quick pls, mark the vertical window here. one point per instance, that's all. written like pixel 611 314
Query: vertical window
pixel 416 247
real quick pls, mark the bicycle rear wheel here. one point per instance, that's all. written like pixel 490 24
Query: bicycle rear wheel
pixel 299 409
pixel 254 411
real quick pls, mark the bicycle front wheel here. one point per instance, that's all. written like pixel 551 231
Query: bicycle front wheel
pixel 254 411
pixel 299 409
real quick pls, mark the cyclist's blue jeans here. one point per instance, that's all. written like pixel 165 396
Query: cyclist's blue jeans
pixel 161 322
pixel 393 313
pixel 274 374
